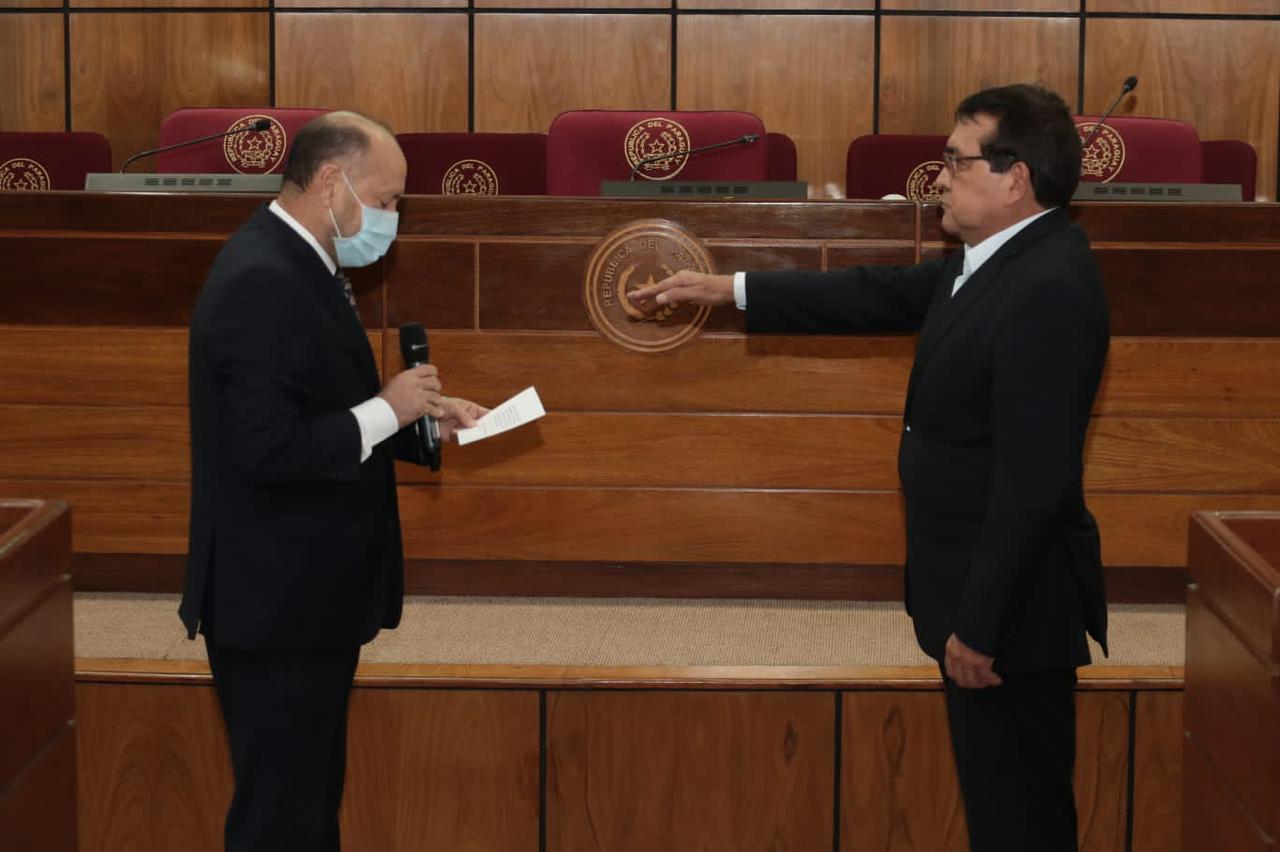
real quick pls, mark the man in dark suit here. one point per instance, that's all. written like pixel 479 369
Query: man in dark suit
pixel 295 549
pixel 1003 574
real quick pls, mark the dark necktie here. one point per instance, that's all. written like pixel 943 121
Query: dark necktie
pixel 347 291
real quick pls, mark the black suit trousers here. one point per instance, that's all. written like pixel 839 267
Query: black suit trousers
pixel 1015 747
pixel 286 719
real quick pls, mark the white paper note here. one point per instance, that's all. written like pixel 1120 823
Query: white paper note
pixel 524 407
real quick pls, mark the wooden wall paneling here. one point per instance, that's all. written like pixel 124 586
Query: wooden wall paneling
pixel 65 442
pixel 31 63
pixel 810 77
pixel 573 371
pixel 36 661
pixel 768 5
pixel 690 770
pixel 573 4
pixel 407 70
pixel 131 283
pixel 1179 62
pixel 1068 6
pixel 161 5
pixel 1186 7
pixel 431 283
pixel 1151 292
pixel 529 68
pixel 531 523
pixel 381 4
pixel 1158 377
pixel 1198 377
pixel 107 367
pixel 30 4
pixel 1157 772
pixel 780 451
pixel 442 769
pixel 37 812
pixel 117 517
pixel 580 524
pixel 898 787
pixel 928 65
pixel 1102 770
pixel 130 70
pixel 155 773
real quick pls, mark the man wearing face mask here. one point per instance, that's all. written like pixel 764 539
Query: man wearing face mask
pixel 295 550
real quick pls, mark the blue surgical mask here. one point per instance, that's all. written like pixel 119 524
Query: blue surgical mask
pixel 365 246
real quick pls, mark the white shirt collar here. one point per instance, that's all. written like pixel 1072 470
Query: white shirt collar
pixel 975 256
pixel 275 208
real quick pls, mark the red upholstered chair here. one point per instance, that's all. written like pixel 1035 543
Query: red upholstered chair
pixel 38 161
pixel 253 153
pixel 1141 150
pixel 1230 161
pixel 887 164
pixel 781 157
pixel 585 147
pixel 475 163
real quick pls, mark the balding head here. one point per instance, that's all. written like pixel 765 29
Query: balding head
pixel 344 138
pixel 338 162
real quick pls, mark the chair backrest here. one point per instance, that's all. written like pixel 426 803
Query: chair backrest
pixel 887 164
pixel 585 147
pixel 1230 161
pixel 781 157
pixel 252 153
pixel 1140 150
pixel 51 160
pixel 475 163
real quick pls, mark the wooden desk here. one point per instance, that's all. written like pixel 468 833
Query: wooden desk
pixel 731 467
pixel 1231 758
pixel 37 691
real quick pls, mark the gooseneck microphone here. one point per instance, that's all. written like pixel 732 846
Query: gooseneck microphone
pixel 257 127
pixel 745 139
pixel 426 431
pixel 1130 83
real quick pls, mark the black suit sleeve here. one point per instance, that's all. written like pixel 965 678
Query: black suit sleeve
pixel 270 428
pixel 1046 364
pixel 843 301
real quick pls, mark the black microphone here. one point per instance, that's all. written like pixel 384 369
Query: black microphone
pixel 413 348
pixel 258 126
pixel 1130 83
pixel 745 139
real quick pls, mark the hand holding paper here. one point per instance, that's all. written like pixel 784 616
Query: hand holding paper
pixel 524 407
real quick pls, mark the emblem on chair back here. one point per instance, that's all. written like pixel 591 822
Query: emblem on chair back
pixel 256 152
pixel 23 173
pixel 920 183
pixel 469 177
pixel 1104 158
pixel 651 137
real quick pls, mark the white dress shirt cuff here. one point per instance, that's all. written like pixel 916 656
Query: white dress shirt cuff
pixel 377 423
pixel 740 290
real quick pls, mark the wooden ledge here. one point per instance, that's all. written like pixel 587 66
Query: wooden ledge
pixel 423 676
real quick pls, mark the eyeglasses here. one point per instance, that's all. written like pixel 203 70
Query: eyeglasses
pixel 1000 161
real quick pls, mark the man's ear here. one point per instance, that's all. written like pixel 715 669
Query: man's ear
pixel 1020 182
pixel 327 178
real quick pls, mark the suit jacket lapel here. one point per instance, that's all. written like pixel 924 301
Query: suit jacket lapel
pixel 328 290
pixel 944 316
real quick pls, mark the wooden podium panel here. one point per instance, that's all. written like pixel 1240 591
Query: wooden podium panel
pixel 759 445
pixel 37 698
pixel 1232 703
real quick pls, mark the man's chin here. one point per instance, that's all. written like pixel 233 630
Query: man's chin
pixel 947 220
